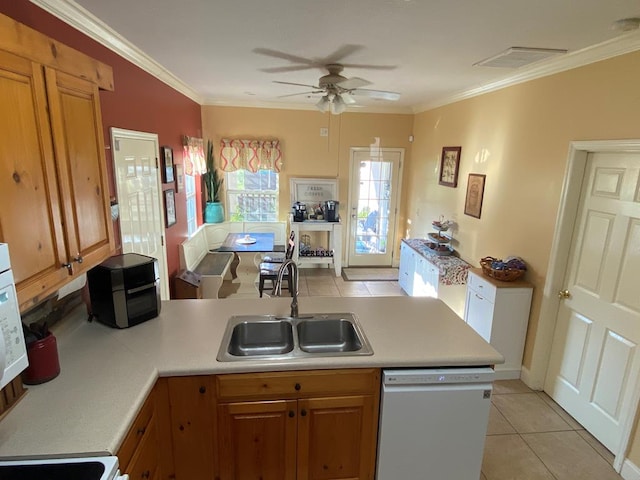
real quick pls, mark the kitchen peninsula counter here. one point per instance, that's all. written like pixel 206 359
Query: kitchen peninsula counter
pixel 106 374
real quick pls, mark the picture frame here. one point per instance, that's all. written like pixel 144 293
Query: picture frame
pixel 170 207
pixel 475 194
pixel 449 166
pixel 313 191
pixel 167 164
pixel 179 171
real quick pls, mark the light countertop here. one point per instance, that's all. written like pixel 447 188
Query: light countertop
pixel 106 374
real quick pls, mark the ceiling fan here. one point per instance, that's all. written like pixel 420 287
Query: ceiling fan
pixel 339 90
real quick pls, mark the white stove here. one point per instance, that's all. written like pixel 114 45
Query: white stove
pixel 88 468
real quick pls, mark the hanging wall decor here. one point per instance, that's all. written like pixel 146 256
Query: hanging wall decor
pixel 449 166
pixel 475 192
pixel 167 164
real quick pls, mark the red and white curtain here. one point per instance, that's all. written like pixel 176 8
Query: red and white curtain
pixel 193 155
pixel 252 155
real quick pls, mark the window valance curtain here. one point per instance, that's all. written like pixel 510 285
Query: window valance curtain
pixel 193 155
pixel 252 155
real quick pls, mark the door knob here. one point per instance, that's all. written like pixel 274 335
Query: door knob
pixel 563 294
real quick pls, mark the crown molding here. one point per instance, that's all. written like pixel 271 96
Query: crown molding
pixel 73 14
pixel 612 48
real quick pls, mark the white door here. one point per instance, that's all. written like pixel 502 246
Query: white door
pixel 139 197
pixel 373 196
pixel 595 363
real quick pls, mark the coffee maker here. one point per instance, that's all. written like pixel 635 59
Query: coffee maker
pixel 299 212
pixel 331 211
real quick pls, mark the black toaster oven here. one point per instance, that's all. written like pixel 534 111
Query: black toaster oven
pixel 125 290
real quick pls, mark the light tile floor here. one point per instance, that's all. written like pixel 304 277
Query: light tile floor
pixel 529 436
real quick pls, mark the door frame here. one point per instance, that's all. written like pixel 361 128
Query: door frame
pixel 556 271
pixel 153 137
pixel 395 254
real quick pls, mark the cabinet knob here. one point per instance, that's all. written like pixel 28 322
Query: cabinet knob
pixel 146 474
pixel 203 389
pixel 298 386
pixel 291 414
pixel 303 413
pixel 68 266
pixel 78 259
pixel 564 294
pixel 141 430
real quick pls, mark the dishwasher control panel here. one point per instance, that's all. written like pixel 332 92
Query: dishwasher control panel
pixel 433 376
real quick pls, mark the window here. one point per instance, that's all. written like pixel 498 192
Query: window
pixel 190 190
pixel 252 197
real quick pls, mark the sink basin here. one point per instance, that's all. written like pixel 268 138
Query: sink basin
pixel 262 337
pixel 330 335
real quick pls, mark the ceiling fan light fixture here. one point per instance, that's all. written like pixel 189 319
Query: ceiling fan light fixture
pixel 323 104
pixel 338 105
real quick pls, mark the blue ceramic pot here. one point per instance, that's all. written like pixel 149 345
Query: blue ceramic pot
pixel 213 212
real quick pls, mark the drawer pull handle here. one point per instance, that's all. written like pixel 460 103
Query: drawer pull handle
pixel 478 296
pixel 298 386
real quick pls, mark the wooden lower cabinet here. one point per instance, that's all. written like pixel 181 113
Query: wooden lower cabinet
pixel 303 435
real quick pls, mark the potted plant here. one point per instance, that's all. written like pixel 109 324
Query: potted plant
pixel 213 211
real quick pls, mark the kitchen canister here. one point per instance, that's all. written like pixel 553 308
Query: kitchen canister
pixel 44 364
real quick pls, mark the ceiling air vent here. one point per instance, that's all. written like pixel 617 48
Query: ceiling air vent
pixel 516 57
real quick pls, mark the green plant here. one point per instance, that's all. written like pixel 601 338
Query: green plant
pixel 212 180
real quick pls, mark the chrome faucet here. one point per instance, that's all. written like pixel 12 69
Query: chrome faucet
pixel 293 275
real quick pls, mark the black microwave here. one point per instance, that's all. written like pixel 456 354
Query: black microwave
pixel 125 290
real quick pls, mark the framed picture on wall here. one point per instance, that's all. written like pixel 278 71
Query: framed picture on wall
pixel 449 166
pixel 475 192
pixel 179 170
pixel 167 164
pixel 170 207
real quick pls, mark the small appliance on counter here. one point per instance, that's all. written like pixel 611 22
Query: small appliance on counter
pixel 13 351
pixel 299 212
pixel 331 213
pixel 125 290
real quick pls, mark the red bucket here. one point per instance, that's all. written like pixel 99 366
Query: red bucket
pixel 43 361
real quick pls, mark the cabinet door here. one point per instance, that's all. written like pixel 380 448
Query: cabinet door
pixel 336 438
pixel 82 174
pixel 144 465
pixel 30 217
pixel 407 268
pixel 479 314
pixel 257 440
pixel 192 406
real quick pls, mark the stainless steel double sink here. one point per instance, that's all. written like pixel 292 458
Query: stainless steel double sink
pixel 252 337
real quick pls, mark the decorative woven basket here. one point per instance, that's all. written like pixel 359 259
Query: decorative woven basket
pixel 508 275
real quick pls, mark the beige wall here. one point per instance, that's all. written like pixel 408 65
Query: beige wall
pixel 305 152
pixel 519 137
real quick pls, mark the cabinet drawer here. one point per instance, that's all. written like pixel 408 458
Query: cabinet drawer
pixel 482 286
pixel 302 384
pixel 136 433
pixel 145 461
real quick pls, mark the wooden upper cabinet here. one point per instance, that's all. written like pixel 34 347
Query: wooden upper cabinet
pixel 77 139
pixel 53 178
pixel 30 217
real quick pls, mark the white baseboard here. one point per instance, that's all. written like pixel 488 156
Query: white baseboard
pixel 507 373
pixel 525 376
pixel 630 471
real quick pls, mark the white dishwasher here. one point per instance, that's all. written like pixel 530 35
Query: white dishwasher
pixel 433 423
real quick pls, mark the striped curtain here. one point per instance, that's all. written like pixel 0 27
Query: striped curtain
pixel 251 155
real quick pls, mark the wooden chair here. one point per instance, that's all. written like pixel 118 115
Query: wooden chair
pixel 279 257
pixel 269 270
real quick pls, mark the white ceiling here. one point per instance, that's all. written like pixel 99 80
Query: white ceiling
pixel 205 48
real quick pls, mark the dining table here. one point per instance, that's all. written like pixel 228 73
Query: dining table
pixel 243 242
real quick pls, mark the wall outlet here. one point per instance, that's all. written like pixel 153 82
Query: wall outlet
pixel 324 132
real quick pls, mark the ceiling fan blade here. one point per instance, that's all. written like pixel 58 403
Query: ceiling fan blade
pixel 355 82
pixel 376 94
pixel 301 93
pixel 369 67
pixel 298 84
pixel 291 68
pixel 285 56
